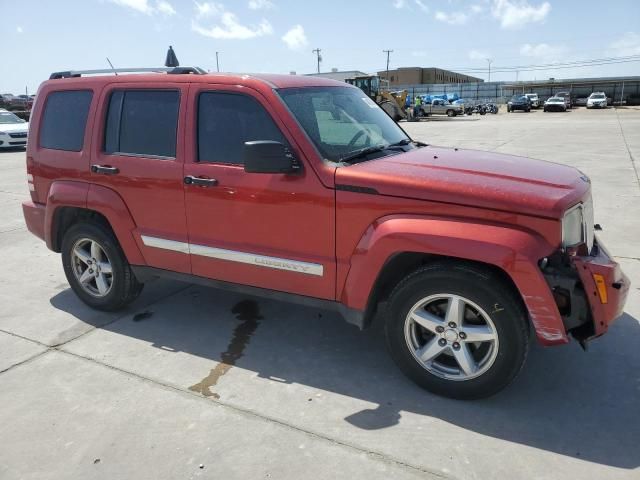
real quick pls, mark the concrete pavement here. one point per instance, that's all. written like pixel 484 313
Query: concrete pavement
pixel 144 393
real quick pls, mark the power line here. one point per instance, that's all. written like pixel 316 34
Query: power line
pixel 551 66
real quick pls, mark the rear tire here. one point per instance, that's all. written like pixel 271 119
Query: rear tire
pixel 492 314
pixel 97 269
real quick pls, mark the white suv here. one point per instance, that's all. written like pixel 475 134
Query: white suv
pixel 533 97
pixel 597 100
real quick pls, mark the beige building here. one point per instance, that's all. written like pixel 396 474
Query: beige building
pixel 417 75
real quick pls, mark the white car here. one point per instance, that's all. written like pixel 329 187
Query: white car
pixel 13 130
pixel 597 100
pixel 535 101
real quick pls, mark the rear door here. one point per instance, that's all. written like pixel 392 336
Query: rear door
pixel 139 152
pixel 272 231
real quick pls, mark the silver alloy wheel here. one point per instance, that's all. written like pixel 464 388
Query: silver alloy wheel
pixel 451 337
pixel 92 267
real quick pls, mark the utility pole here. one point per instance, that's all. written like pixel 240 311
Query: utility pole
pixel 317 52
pixel 217 62
pixel 489 61
pixel 387 52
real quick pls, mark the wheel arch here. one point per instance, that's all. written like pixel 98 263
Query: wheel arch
pixel 395 245
pixel 71 202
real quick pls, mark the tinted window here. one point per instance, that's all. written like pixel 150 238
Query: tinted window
pixel 226 121
pixel 142 122
pixel 65 119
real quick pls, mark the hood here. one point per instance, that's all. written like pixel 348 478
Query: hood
pixel 14 127
pixel 473 178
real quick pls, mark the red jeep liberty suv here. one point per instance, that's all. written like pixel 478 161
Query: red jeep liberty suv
pixel 302 188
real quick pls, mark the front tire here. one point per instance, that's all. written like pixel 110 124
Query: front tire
pixel 96 268
pixel 457 330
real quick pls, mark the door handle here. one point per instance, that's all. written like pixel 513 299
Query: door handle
pixel 200 182
pixel 104 169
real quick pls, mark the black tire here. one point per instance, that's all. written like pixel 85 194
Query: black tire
pixel 451 113
pixel 487 290
pixel 124 285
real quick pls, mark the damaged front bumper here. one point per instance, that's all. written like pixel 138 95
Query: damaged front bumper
pixel 589 288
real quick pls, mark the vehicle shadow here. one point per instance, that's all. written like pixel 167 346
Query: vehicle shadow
pixel 581 405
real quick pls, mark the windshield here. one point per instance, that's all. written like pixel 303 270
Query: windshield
pixel 341 120
pixel 8 117
pixel 556 100
pixel 597 95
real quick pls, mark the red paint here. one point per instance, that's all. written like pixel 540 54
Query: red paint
pixel 485 207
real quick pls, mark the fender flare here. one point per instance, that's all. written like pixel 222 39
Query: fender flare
pixel 97 198
pixel 514 251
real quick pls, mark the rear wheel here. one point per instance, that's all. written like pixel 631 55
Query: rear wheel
pixel 457 330
pixel 97 269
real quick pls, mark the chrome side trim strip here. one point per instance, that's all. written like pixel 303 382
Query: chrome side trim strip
pixel 235 256
pixel 165 244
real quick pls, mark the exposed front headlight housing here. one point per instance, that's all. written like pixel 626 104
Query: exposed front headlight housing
pixel 577 225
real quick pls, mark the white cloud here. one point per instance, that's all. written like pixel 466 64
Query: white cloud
pixel 628 44
pixel 422 6
pixel 260 4
pixel 477 9
pixel 478 55
pixel 542 50
pixel 418 53
pixel 208 9
pixel 399 3
pixel 295 38
pixel 452 18
pixel 165 8
pixel 144 6
pixel 19 29
pixel 228 27
pixel 517 13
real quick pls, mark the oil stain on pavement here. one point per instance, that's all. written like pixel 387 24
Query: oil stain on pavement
pixel 248 312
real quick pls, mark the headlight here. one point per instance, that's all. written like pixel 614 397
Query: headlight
pixel 577 225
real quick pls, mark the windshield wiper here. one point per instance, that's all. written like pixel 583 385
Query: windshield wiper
pixel 363 152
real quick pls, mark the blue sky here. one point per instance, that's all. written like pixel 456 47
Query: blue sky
pixel 39 37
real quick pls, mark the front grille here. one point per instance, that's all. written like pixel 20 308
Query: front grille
pixel 18 135
pixel 18 143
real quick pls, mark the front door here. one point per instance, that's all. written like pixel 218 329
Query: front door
pixel 140 147
pixel 272 231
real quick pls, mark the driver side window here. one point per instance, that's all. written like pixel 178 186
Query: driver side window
pixel 226 121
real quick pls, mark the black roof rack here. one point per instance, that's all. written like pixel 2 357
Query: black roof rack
pixel 169 70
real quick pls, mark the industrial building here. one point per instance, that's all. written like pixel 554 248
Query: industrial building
pixel 420 75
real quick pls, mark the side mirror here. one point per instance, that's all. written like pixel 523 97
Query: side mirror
pixel 266 156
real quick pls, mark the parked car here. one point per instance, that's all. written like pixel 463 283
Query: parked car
pixel 519 102
pixel 13 130
pixel 533 98
pixel 555 104
pixel 441 107
pixel 597 100
pixel 333 205
pixel 567 98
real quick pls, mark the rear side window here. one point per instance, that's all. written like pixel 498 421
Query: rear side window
pixel 142 122
pixel 226 121
pixel 65 119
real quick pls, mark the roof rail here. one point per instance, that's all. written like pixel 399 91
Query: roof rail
pixel 169 70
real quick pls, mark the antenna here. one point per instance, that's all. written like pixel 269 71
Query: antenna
pixel 112 67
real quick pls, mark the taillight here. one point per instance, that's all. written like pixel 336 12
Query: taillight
pixel 30 180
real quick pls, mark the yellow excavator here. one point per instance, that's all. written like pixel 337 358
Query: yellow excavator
pixel 377 89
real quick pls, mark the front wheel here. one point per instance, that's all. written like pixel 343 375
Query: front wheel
pixel 457 330
pixel 97 269
pixel 451 113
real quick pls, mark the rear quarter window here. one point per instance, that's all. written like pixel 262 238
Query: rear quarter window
pixel 65 119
